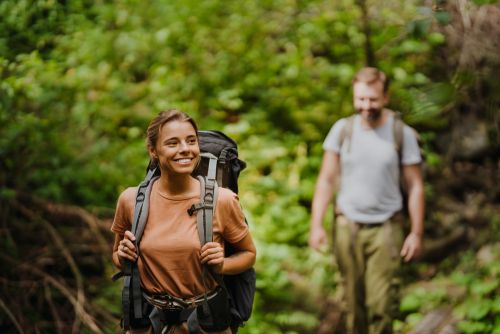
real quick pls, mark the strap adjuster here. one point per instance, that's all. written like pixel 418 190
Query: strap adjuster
pixel 198 206
pixel 194 208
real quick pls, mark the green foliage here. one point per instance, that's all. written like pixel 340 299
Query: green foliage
pixel 473 288
pixel 80 80
pixel 484 2
pixel 422 299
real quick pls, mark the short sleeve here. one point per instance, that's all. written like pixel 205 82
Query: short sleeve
pixel 230 216
pixel 332 140
pixel 124 211
pixel 411 151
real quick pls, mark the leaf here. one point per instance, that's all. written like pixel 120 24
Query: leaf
pixel 483 288
pixel 478 309
pixel 471 327
pixel 410 303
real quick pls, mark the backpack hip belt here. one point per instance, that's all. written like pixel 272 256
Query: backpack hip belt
pixel 166 301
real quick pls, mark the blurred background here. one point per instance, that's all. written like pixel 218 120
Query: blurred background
pixel 80 81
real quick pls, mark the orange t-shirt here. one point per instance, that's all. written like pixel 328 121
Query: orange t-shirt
pixel 169 257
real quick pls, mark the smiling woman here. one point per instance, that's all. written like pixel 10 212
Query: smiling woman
pixel 176 149
pixel 169 257
pixel 173 133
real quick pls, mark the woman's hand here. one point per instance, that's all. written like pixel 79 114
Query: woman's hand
pixel 126 248
pixel 213 254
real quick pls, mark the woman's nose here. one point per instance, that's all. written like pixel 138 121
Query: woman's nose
pixel 183 146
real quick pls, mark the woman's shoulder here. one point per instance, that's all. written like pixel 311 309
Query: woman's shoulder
pixel 226 197
pixel 127 197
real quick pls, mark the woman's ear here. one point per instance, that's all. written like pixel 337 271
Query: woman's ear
pixel 152 153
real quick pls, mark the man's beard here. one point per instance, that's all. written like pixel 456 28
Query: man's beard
pixel 372 115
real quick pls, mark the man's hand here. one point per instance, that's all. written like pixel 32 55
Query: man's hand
pixel 317 238
pixel 412 247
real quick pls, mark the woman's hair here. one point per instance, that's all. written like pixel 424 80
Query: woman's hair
pixel 370 75
pixel 162 118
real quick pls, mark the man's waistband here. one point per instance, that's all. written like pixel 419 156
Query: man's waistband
pixel 166 301
pixel 368 225
pixel 396 217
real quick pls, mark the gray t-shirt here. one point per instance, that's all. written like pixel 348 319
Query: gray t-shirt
pixel 369 181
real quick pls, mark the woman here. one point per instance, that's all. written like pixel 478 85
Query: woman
pixel 171 258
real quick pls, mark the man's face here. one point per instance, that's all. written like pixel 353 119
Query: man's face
pixel 369 100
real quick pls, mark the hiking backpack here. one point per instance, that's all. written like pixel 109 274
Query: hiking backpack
pixel 219 166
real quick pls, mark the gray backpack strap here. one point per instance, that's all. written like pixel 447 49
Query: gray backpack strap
pixel 131 293
pixel 346 133
pixel 204 219
pixel 208 197
pixel 212 165
pixel 143 213
pixel 199 214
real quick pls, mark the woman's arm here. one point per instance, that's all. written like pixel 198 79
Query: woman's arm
pixel 123 222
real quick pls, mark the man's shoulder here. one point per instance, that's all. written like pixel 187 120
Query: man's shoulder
pixel 345 126
pixel 397 116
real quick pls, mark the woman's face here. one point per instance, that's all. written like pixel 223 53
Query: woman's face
pixel 177 148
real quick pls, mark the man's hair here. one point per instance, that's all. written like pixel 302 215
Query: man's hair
pixel 370 75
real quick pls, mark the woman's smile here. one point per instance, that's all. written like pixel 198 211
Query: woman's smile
pixel 184 161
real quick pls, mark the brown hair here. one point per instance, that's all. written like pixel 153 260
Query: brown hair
pixel 370 75
pixel 162 118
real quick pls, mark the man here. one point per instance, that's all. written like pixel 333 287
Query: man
pixel 368 239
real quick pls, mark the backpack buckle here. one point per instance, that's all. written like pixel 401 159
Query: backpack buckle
pixel 199 206
pixel 194 208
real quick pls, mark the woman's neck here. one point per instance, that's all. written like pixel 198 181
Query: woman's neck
pixel 178 184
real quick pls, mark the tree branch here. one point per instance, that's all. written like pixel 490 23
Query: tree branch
pixel 365 20
pixel 11 316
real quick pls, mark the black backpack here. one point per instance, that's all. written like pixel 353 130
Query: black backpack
pixel 219 166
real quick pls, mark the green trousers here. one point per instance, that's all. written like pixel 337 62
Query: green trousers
pixel 369 263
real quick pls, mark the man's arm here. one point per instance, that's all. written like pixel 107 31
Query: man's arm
pixel 322 196
pixel 412 176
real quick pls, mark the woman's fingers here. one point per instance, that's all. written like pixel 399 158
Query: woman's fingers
pixel 212 253
pixel 129 235
pixel 127 244
pixel 126 247
pixel 126 253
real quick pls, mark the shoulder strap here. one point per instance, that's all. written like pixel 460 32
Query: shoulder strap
pixel 141 211
pixel 346 132
pixel 397 129
pixel 208 196
pixel 209 191
pixel 131 292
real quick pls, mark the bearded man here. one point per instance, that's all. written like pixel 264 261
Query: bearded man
pixel 363 153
